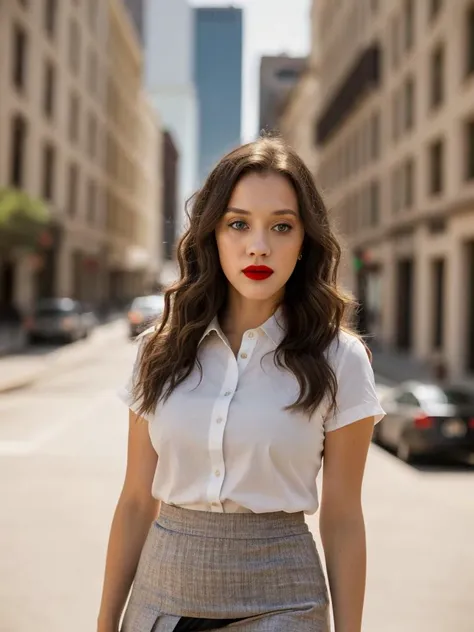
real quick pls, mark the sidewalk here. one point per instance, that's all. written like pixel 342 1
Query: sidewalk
pixel 21 371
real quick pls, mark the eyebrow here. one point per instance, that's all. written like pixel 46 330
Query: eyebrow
pixel 283 211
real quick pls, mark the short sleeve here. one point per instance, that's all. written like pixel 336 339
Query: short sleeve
pixel 125 393
pixel 356 395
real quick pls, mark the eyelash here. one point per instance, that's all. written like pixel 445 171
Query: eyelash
pixel 239 221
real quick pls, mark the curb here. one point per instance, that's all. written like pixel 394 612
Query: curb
pixel 64 358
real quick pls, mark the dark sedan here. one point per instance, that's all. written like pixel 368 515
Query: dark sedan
pixel 427 419
pixel 144 312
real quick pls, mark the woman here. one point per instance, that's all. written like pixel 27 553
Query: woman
pixel 248 378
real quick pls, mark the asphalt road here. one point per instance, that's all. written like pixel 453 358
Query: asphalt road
pixel 62 460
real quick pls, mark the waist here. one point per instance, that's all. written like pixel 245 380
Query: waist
pixel 235 526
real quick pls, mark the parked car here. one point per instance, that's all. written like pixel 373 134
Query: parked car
pixel 60 319
pixel 427 419
pixel 144 311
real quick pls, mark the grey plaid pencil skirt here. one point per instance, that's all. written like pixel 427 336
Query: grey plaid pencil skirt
pixel 262 571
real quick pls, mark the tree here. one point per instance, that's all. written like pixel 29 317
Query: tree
pixel 23 219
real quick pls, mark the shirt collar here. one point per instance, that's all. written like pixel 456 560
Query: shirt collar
pixel 274 328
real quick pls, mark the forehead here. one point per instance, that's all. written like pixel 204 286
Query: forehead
pixel 269 191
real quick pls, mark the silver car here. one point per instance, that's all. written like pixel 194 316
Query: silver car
pixel 60 319
pixel 144 311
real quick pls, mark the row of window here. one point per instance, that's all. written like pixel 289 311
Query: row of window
pixel 355 152
pixel 362 208
pixel 51 10
pixel 50 164
pixel 403 27
pixel 21 56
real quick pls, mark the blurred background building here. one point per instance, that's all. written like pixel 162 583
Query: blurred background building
pixel 278 76
pixel 169 80
pixel 395 137
pixel 218 74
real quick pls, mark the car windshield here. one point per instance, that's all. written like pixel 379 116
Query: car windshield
pixel 56 306
pixel 154 303
pixel 436 395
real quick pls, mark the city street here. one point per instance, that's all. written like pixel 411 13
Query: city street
pixel 62 460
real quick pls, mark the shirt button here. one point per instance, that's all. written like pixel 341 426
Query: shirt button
pixel 243 356
pixel 219 420
pixel 251 334
pixel 217 472
pixel 227 393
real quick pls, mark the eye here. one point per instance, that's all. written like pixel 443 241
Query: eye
pixel 238 224
pixel 282 228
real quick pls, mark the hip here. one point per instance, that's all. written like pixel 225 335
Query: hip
pixel 204 564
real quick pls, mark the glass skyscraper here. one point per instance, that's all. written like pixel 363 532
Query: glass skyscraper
pixel 218 79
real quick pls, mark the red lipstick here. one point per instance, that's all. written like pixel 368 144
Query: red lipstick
pixel 258 273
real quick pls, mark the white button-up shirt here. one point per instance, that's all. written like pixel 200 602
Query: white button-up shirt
pixel 226 443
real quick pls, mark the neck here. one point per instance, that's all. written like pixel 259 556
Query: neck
pixel 241 314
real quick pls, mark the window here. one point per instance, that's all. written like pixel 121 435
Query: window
pixel 92 14
pixel 19 130
pixel 92 72
pixel 396 111
pixel 91 136
pixel 395 190
pixel 374 204
pixel 74 46
pixel 469 135
pixel 73 189
pixel 50 16
pixel 395 36
pixel 408 399
pixel 20 49
pixel 436 160
pixel 434 8
pixel 91 201
pixel 74 114
pixel 49 163
pixel 375 136
pixel 470 41
pixel 409 24
pixel 409 183
pixel 438 275
pixel 409 103
pixel 437 77
pixel 49 86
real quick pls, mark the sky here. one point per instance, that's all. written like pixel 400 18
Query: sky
pixel 271 27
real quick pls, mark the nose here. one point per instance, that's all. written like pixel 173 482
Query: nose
pixel 258 245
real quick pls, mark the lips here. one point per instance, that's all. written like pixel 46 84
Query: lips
pixel 258 273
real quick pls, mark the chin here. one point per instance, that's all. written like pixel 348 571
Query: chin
pixel 258 290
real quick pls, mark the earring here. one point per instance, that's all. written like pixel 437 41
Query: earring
pixel 300 256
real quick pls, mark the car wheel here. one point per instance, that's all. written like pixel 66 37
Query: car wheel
pixel 404 452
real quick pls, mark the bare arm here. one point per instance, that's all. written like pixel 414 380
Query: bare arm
pixel 133 516
pixel 342 521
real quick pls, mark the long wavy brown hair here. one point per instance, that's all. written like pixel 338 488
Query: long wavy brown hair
pixel 313 306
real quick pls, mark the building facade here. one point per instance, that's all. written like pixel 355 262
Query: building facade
pixel 395 132
pixel 278 76
pixel 300 107
pixel 218 75
pixel 169 80
pixel 69 131
pixel 134 188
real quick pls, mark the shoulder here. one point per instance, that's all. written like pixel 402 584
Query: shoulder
pixel 347 348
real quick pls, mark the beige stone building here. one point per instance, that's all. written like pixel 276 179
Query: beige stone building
pixel 395 132
pixel 299 112
pixel 77 131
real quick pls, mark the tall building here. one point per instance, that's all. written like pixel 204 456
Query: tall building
pixel 74 128
pixel 396 140
pixel 218 74
pixel 166 28
pixel 300 106
pixel 278 76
